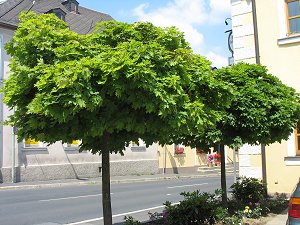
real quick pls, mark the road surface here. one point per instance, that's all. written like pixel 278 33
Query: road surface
pixel 81 204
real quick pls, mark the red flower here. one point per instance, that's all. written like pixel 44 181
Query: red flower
pixel 179 150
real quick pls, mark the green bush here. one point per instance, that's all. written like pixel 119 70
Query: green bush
pixel 196 208
pixel 129 220
pixel 223 217
pixel 250 193
pixel 277 203
pixel 248 190
pixel 252 213
pixel 234 206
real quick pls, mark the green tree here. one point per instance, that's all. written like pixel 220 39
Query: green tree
pixel 121 83
pixel 263 110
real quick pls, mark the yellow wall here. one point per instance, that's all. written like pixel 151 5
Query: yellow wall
pixel 282 60
pixel 190 158
pixel 167 158
pixel 230 156
pixel 280 177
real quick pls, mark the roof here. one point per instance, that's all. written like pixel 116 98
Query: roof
pixel 82 23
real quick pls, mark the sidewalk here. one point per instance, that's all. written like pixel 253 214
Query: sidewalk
pixel 279 219
pixel 114 180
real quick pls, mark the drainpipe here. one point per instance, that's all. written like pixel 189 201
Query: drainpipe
pixel 165 160
pixel 13 149
pixel 256 44
pixel 257 59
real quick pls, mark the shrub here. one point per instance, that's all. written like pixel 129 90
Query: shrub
pixel 129 220
pixel 248 190
pixel 196 208
pixel 225 218
pixel 252 213
pixel 277 203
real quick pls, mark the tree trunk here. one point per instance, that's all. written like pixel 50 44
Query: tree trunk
pixel 264 167
pixel 106 200
pixel 223 176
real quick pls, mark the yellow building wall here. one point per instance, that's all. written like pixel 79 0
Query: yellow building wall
pixel 169 160
pixel 230 156
pixel 282 60
pixel 191 160
pixel 281 55
pixel 280 177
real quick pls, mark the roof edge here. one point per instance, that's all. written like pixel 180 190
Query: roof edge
pixel 8 25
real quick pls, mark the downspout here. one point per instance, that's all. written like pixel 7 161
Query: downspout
pixel 13 154
pixel 256 43
pixel 257 59
pixel 165 159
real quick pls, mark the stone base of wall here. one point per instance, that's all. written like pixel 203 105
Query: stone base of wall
pixel 141 167
pixel 77 171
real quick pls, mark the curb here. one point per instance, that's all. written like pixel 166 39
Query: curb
pixel 94 182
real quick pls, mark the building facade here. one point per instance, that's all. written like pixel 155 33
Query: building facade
pixel 31 160
pixel 184 159
pixel 277 46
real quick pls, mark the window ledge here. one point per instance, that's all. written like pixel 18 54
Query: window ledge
pixel 34 149
pixel 138 148
pixel 289 40
pixel 71 149
pixel 292 160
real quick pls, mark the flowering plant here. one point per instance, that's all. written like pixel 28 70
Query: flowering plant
pixel 217 156
pixel 210 158
pixel 255 213
pixel 179 149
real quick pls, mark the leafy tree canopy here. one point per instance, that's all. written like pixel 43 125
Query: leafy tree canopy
pixel 263 109
pixel 121 83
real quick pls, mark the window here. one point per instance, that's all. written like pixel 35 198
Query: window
pixel 71 5
pixel 138 145
pixel 33 143
pixel 30 142
pixel 293 16
pixel 297 138
pixel 72 146
pixel 74 143
pixel 59 13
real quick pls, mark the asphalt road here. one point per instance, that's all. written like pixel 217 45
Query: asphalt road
pixel 82 204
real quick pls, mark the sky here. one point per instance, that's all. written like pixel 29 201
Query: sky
pixel 202 21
